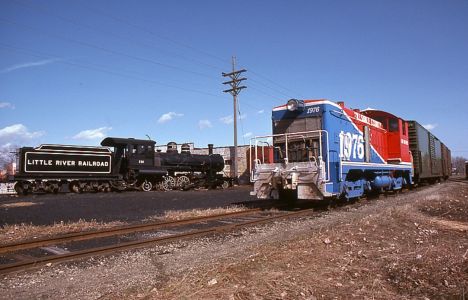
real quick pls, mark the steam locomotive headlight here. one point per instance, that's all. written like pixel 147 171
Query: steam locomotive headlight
pixel 295 105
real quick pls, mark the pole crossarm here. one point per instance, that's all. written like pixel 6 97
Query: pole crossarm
pixel 233 73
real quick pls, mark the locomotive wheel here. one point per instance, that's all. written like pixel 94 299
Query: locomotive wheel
pixel 182 181
pixel 164 186
pixel 146 186
pixel 170 183
pixel 225 184
pixel 21 188
pixel 76 188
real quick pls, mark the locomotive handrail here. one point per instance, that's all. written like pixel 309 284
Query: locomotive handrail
pixel 255 142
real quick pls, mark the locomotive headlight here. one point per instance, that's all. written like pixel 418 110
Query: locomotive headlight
pixel 295 105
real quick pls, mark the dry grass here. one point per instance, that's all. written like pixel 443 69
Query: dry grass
pixel 19 232
pixel 396 253
pixel 19 204
pixel 175 215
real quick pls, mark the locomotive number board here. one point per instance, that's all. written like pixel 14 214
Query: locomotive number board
pixel 47 162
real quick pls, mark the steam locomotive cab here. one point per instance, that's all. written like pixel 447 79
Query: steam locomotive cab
pixel 135 160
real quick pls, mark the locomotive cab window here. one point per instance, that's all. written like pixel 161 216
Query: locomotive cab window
pixel 131 150
pixel 141 149
pixel 383 121
pixel 393 125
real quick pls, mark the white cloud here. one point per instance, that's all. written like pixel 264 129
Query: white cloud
pixel 227 120
pixel 202 124
pixel 29 65
pixel 261 111
pixel 92 134
pixel 6 105
pixel 248 134
pixel 17 134
pixel 168 116
pixel 430 126
pixel 230 119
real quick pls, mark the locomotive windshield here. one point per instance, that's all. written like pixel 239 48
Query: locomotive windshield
pixel 304 150
pixel 303 144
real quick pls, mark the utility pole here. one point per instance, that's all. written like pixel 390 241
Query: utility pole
pixel 235 89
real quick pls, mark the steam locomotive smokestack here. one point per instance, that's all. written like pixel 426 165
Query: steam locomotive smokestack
pixel 210 149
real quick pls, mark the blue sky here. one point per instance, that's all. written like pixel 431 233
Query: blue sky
pixel 75 71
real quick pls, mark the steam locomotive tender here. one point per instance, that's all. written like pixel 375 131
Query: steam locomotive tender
pixel 132 163
pixel 320 149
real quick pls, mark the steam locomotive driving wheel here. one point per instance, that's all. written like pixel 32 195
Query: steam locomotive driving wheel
pixel 182 181
pixel 146 186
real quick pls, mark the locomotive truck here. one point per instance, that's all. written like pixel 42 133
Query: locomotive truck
pixel 132 163
pixel 320 149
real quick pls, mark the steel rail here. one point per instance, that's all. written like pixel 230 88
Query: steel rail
pixel 80 236
pixel 17 266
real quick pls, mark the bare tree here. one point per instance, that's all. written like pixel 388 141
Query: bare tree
pixel 7 155
pixel 458 162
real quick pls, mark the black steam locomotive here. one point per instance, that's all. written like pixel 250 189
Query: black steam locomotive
pixel 132 163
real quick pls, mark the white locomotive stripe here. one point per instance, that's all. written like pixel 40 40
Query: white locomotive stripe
pixel 353 163
pixel 318 102
pixel 70 146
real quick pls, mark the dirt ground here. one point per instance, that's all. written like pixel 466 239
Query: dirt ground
pixel 410 246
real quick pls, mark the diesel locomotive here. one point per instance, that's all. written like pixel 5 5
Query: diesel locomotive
pixel 320 149
pixel 131 163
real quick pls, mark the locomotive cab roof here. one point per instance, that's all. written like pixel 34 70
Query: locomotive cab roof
pixel 115 142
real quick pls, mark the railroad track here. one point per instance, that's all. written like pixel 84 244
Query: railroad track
pixel 19 252
pixel 234 221
pixel 459 179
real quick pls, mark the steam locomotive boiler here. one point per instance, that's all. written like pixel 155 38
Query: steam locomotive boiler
pixel 191 170
pixel 132 163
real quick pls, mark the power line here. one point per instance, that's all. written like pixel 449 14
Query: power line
pixel 128 23
pixel 271 81
pixel 105 49
pixel 276 90
pixel 46 11
pixel 144 59
pixel 142 28
pixel 100 69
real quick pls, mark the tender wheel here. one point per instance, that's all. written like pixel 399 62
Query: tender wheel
pixel 182 181
pixel 21 188
pixel 76 188
pixel 146 186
